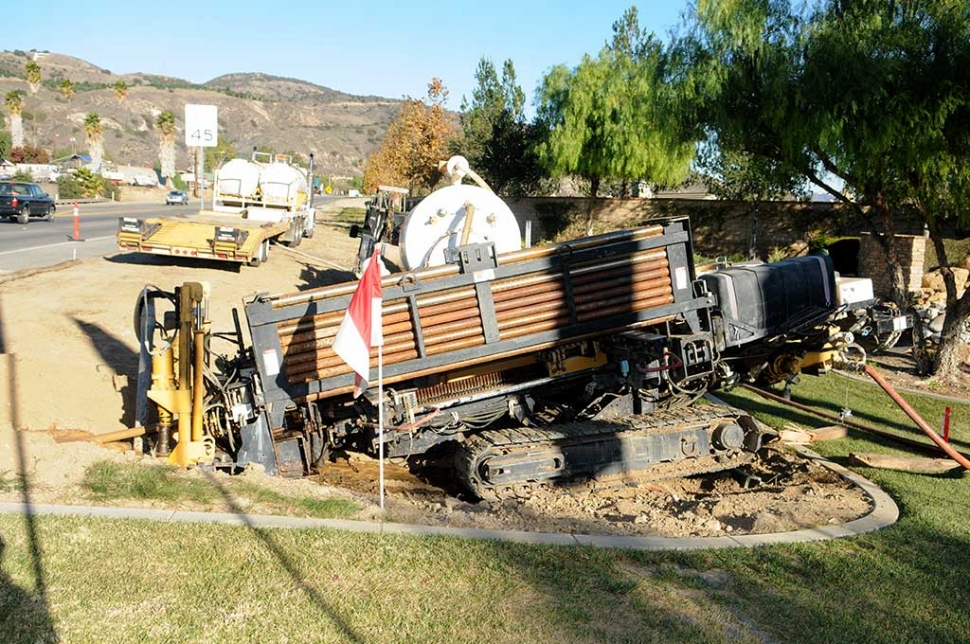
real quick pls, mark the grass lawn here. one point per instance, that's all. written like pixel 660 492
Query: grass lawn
pixel 134 581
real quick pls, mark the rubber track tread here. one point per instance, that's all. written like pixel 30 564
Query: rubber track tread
pixel 520 438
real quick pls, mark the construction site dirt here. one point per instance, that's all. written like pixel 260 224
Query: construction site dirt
pixel 69 362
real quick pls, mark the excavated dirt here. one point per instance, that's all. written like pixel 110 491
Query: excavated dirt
pixel 68 359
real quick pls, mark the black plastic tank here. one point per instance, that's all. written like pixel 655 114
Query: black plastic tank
pixel 764 300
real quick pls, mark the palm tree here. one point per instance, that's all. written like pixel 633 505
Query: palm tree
pixel 67 88
pixel 121 90
pixel 33 76
pixel 166 153
pixel 15 103
pixel 94 129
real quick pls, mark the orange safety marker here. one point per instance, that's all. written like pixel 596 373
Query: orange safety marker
pixel 946 425
pixel 77 226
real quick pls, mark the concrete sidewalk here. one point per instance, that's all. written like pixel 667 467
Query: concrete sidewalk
pixel 884 513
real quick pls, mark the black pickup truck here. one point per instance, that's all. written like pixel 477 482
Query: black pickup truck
pixel 21 201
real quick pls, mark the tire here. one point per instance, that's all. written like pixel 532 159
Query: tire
pixel 23 215
pixel 310 228
pixel 50 213
pixel 262 254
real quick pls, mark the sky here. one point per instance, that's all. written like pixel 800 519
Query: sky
pixel 370 47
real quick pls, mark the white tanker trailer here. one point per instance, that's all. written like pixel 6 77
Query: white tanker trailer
pixel 255 202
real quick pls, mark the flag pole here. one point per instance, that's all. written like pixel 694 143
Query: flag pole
pixel 380 415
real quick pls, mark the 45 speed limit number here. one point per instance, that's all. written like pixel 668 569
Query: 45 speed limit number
pixel 201 126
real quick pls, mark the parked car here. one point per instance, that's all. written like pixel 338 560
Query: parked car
pixel 176 197
pixel 21 201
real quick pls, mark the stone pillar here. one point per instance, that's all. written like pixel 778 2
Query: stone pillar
pixel 873 263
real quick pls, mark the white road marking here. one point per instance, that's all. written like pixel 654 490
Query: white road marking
pixel 27 250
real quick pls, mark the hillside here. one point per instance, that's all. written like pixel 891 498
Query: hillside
pixel 254 109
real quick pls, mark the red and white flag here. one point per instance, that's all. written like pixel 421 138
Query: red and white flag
pixel 361 327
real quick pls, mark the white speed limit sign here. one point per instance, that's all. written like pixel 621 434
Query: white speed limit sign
pixel 201 126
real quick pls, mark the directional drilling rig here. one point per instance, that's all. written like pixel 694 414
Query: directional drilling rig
pixel 515 367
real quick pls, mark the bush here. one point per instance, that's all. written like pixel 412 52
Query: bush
pixel 68 187
pixel 23 175
pixel 112 191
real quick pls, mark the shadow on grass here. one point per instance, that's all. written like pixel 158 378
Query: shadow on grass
pixel 271 546
pixel 906 583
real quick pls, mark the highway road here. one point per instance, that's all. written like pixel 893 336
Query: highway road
pixel 38 243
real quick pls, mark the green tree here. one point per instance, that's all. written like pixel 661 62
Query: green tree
pixel 495 138
pixel 33 76
pixel 612 117
pixel 90 184
pixel 874 95
pixel 297 158
pixel 14 101
pixel 94 130
pixel 165 123
pixel 222 152
pixel 5 143
pixel 66 87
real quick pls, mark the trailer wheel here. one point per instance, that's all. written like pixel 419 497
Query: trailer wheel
pixel 262 254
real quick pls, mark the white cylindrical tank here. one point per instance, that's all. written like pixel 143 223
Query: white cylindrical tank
pixel 238 178
pixel 282 184
pixel 438 222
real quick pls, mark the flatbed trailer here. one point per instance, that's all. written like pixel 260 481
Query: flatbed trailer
pixel 221 236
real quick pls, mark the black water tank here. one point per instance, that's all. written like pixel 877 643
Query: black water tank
pixel 762 300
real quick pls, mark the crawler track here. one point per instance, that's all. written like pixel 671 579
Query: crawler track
pixel 511 463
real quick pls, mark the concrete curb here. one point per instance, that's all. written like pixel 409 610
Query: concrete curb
pixel 884 514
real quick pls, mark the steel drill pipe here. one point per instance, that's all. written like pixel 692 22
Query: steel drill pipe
pixel 558 288
pixel 325 337
pixel 456 345
pixel 628 298
pixel 849 423
pixel 537 326
pixel 453 335
pixel 458 305
pixel 312 371
pixel 634 299
pixel 915 417
pixel 628 264
pixel 429 322
pixel 400 342
pixel 307 323
pixel 527 254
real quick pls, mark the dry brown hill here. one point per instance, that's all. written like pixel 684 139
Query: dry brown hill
pixel 254 109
